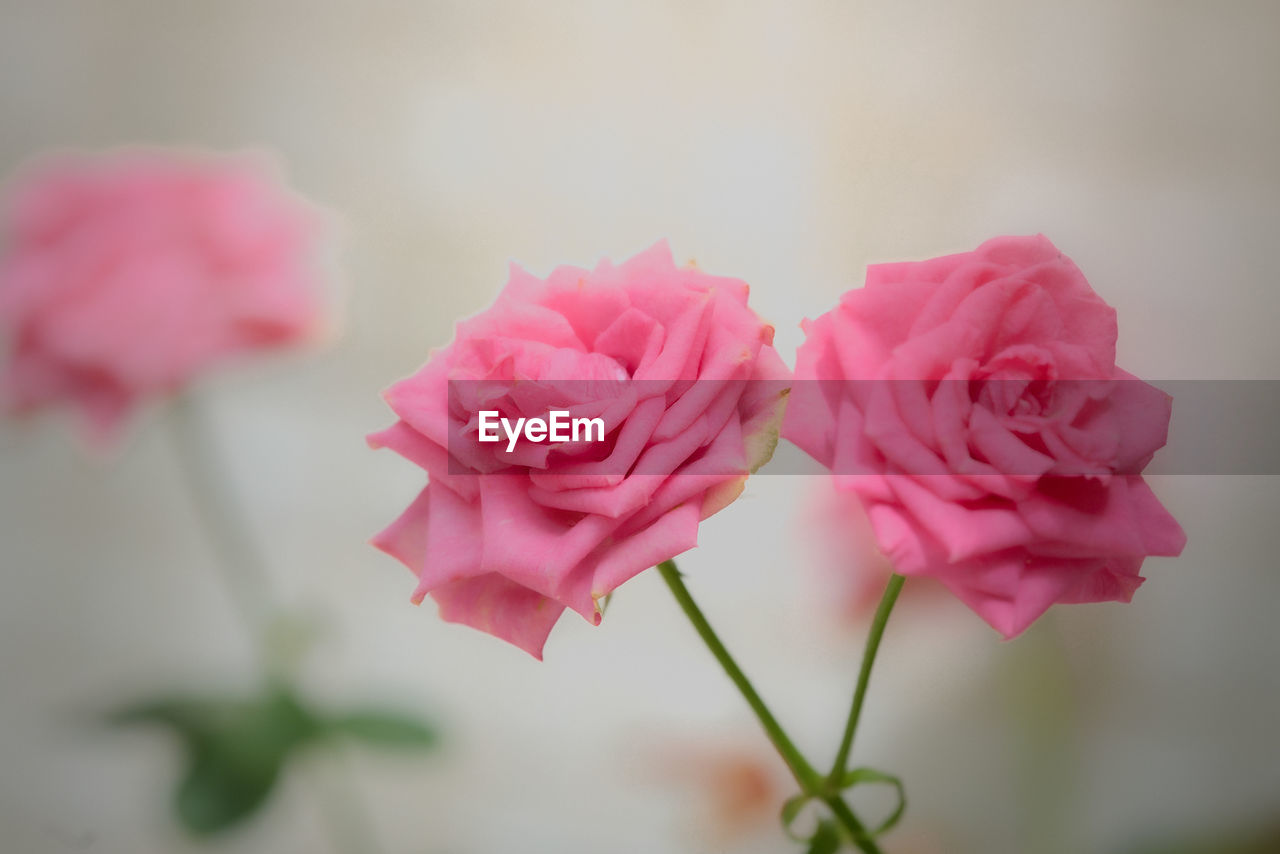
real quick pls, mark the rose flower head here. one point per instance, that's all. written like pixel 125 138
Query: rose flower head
pixel 684 387
pixel 973 404
pixel 125 275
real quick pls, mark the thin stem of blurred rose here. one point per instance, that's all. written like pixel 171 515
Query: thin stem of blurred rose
pixel 243 571
pixel 891 591
pixel 242 568
pixel 803 772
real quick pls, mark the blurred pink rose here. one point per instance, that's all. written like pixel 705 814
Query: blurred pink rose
pixel 125 275
pixel 852 571
pixel 680 370
pixel 973 404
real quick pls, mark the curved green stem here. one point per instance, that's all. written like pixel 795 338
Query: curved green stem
pixel 891 591
pixel 809 780
pixel 804 773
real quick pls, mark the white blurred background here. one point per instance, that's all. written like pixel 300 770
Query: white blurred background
pixel 788 144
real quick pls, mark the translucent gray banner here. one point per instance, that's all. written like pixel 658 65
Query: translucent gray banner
pixel 612 427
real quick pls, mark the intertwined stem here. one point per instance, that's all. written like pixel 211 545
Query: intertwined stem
pixel 811 783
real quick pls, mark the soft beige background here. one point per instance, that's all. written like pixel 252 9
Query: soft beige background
pixel 789 144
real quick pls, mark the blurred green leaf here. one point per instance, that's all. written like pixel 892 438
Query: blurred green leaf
pixel 791 809
pixel 384 729
pixel 217 794
pixel 234 750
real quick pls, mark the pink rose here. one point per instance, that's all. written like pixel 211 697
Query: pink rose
pixel 125 275
pixel 973 404
pixel 688 388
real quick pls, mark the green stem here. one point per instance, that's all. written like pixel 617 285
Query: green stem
pixel 805 775
pixel 891 591
pixel 857 831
